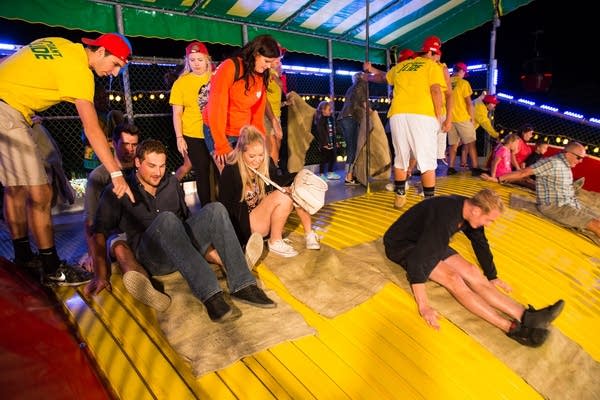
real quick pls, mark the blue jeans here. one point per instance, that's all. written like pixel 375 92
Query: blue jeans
pixel 210 143
pixel 350 132
pixel 170 245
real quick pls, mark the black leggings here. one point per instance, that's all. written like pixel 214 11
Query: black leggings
pixel 327 157
pixel 201 164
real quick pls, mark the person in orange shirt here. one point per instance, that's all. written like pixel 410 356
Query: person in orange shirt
pixel 238 95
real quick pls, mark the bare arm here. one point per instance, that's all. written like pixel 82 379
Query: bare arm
pixel 98 141
pixel 97 247
pixel 178 128
pixel 436 97
pixel 374 74
pixel 516 175
pixel 429 314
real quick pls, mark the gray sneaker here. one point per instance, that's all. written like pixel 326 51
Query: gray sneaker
pixel 140 287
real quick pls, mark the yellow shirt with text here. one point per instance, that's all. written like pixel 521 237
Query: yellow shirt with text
pixel 412 81
pixel 44 73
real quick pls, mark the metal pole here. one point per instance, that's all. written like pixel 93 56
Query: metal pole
pixel 491 75
pixel 331 81
pixel 125 74
pixel 244 34
pixel 367 108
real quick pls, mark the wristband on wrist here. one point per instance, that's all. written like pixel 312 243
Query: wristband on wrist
pixel 116 174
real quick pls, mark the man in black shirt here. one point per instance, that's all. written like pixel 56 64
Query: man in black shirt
pixel 165 237
pixel 418 241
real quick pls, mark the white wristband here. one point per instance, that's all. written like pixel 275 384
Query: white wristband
pixel 116 174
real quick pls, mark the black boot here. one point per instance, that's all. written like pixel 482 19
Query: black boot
pixel 532 337
pixel 217 308
pixel 533 318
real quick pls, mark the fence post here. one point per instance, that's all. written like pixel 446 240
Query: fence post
pixel 125 71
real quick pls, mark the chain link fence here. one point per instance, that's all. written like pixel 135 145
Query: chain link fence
pixel 150 81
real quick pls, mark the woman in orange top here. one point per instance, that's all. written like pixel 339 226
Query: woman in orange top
pixel 238 95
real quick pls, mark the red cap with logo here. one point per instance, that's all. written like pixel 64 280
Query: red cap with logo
pixel 433 44
pixel 462 66
pixel 490 99
pixel 196 47
pixel 115 43
pixel 406 54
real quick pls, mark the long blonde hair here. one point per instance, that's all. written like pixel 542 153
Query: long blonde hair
pixel 249 134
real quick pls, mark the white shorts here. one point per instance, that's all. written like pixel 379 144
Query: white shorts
pixel 417 134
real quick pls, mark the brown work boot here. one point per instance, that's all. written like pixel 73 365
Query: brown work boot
pixel 399 201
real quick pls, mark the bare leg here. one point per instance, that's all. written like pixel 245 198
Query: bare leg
pixel 428 178
pixel 305 219
pixel 399 174
pixel 473 291
pixel 126 259
pixel 472 148
pixel 452 155
pixel 212 256
pixel 271 214
pixel 38 214
pixel 15 197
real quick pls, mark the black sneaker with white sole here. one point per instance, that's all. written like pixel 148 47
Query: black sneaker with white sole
pixel 68 275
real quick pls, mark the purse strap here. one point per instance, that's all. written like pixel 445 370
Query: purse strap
pixel 268 181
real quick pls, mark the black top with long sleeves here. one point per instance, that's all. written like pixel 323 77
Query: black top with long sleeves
pixel 427 228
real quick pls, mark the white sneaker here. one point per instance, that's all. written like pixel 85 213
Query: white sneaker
pixel 312 241
pixel 281 248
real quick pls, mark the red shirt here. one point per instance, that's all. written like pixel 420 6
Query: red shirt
pixel 523 152
pixel 230 106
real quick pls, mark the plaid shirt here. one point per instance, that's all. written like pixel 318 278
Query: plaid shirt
pixel 554 182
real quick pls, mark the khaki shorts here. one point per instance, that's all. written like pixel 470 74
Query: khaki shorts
pixel 461 131
pixel 569 215
pixel 20 159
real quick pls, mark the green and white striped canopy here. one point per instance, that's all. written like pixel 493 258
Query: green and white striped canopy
pixel 299 25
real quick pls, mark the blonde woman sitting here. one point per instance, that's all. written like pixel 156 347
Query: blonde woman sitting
pixel 253 206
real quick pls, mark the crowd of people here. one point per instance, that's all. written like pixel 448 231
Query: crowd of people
pixel 227 124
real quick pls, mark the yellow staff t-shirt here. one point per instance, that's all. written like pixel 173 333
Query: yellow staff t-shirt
pixel 185 93
pixel 44 73
pixel 412 81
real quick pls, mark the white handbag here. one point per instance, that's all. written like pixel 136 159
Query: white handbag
pixel 307 190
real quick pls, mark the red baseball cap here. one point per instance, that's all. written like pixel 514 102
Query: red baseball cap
pixel 406 54
pixel 115 43
pixel 461 66
pixel 432 43
pixel 196 47
pixel 490 99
